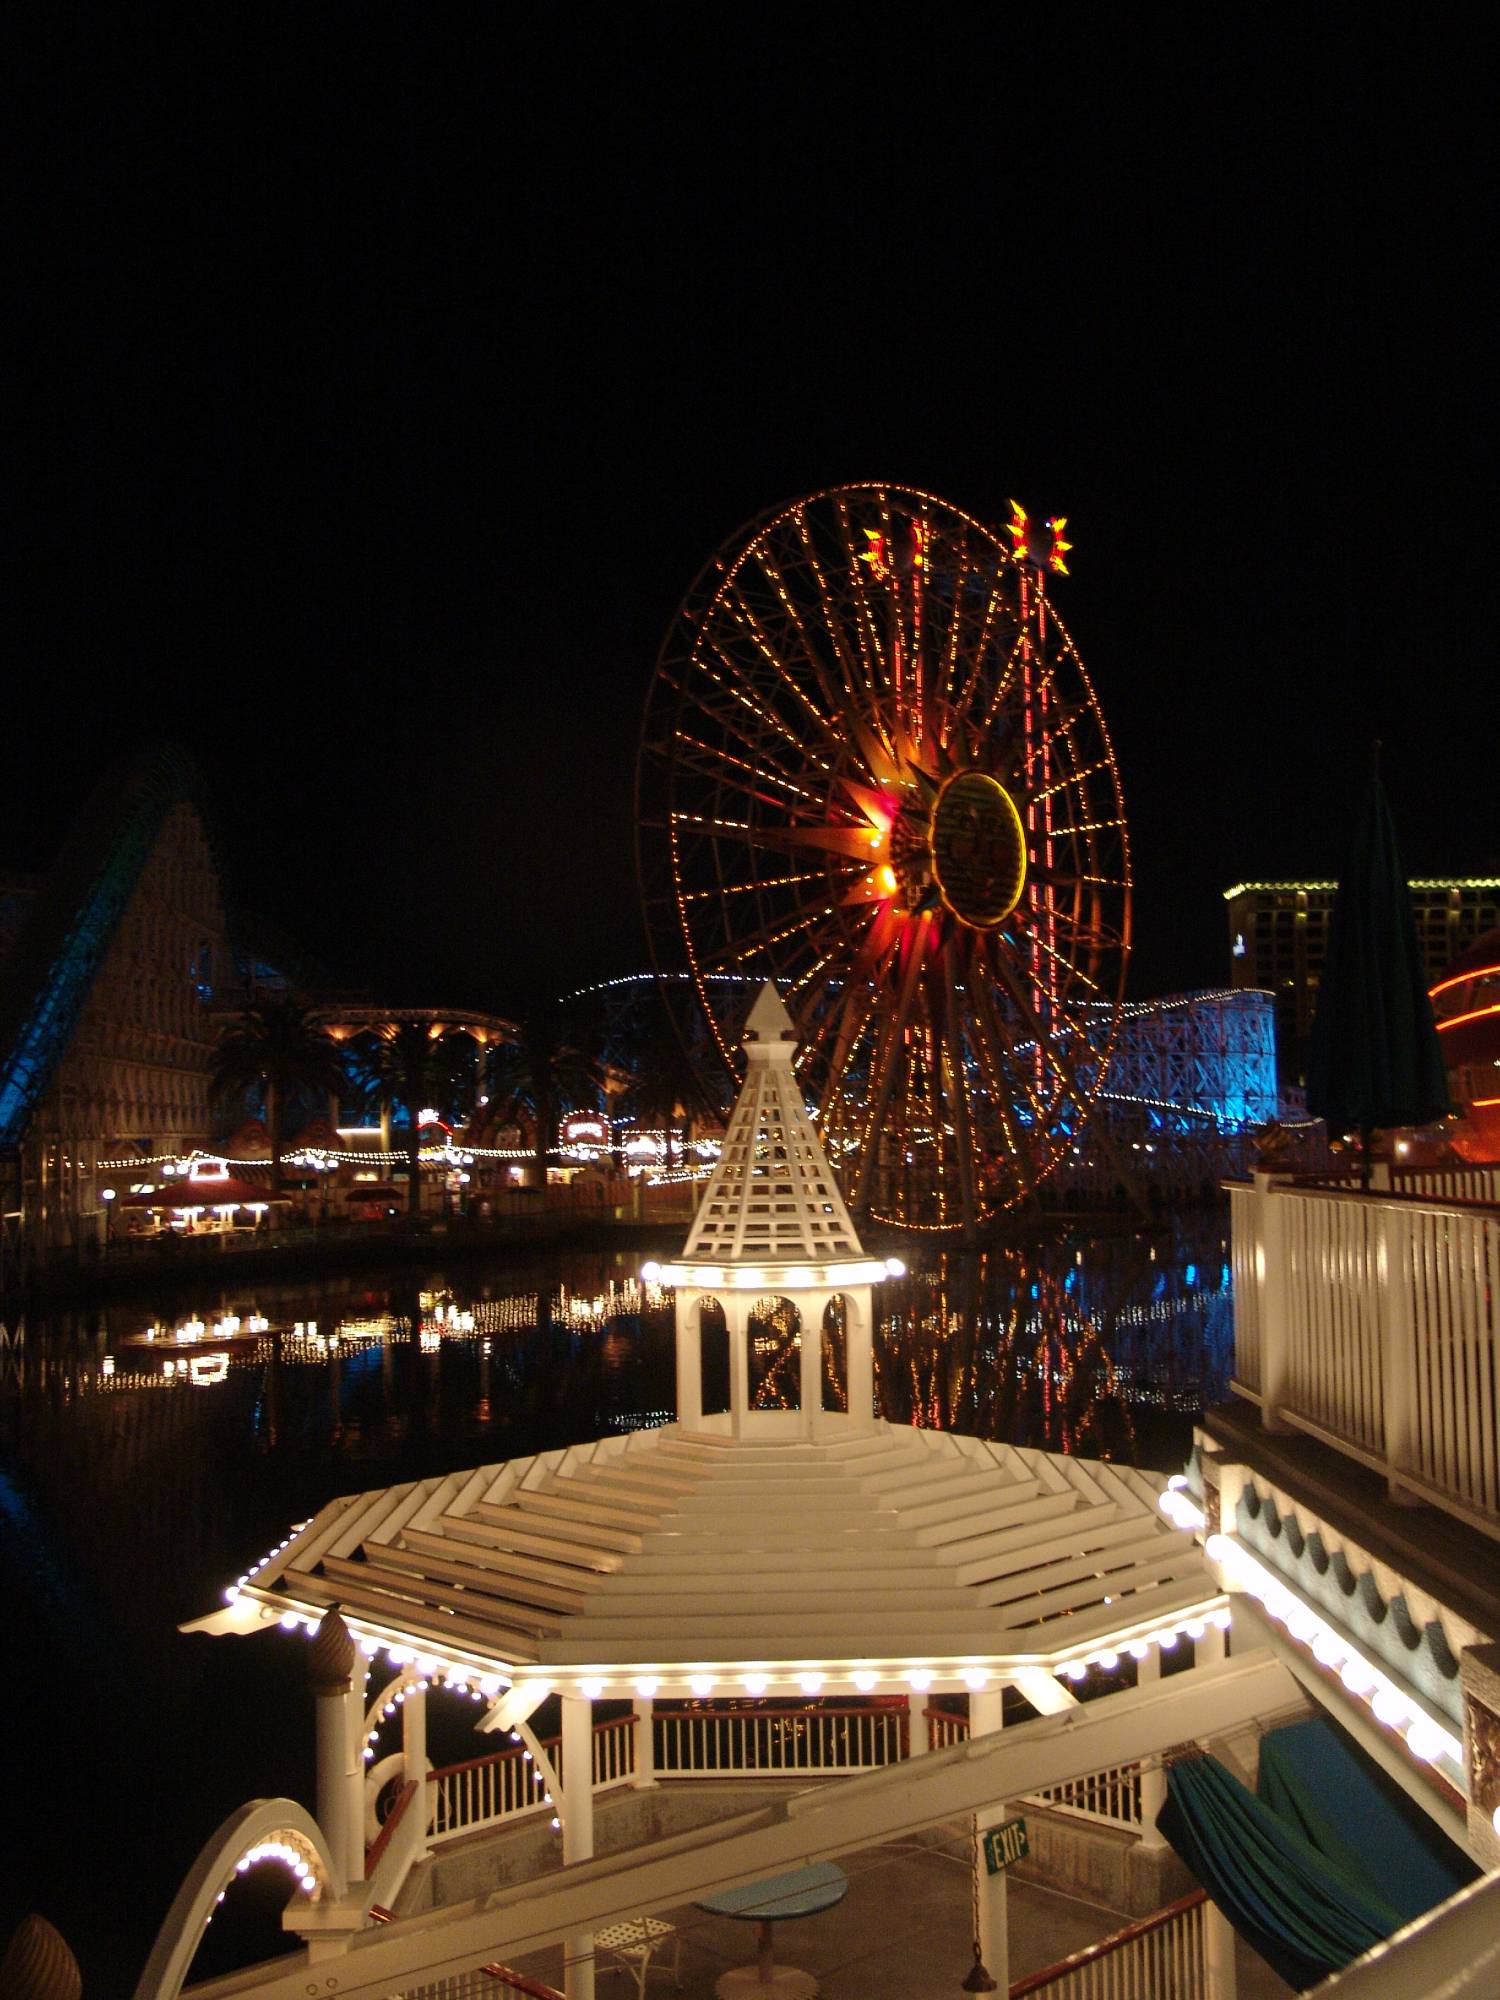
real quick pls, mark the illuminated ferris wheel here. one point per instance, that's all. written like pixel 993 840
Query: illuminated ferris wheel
pixel 873 769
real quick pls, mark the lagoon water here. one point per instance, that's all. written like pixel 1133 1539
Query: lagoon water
pixel 132 1492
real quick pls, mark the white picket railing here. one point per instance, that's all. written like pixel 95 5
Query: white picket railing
pixel 945 1728
pixel 752 1743
pixel 744 1743
pixel 1451 1183
pixel 1112 1797
pixel 486 1791
pixel 1164 1957
pixel 1246 1260
pixel 1372 1321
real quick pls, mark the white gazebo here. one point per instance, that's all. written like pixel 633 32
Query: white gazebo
pixel 807 1550
pixel 772 1233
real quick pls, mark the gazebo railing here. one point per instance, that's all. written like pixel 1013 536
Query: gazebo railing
pixel 763 1742
pixel 768 1742
pixel 1111 1797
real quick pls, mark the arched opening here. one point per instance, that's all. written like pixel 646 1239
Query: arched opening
pixel 836 1355
pixel 713 1351
pixel 773 1339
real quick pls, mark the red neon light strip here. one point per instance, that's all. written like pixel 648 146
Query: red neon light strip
pixel 1478 1014
pixel 1460 978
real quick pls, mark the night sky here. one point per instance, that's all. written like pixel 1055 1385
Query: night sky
pixel 388 373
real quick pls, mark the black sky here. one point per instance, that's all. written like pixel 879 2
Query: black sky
pixel 389 372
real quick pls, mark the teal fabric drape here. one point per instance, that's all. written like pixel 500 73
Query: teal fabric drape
pixel 1316 1782
pixel 1322 1865
pixel 1298 1908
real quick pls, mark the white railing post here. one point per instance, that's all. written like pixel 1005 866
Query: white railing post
pixel 645 1743
pixel 1397 1232
pixel 1153 1775
pixel 414 1755
pixel 918 1737
pixel 1274 1300
pixel 985 1716
pixel 575 1805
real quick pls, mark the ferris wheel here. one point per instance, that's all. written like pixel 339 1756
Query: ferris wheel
pixel 873 769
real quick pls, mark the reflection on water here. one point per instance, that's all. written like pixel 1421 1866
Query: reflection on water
pixel 147 1454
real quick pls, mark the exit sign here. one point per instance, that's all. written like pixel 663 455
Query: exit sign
pixel 1005 1844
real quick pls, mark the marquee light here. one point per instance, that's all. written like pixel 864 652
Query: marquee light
pixel 1391 1706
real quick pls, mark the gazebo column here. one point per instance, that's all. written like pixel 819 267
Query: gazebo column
pixel 645 1742
pixel 575 1808
pixel 414 1752
pixel 340 1717
pixel 689 1329
pixel 737 1320
pixel 994 1925
pixel 859 1350
pixel 1154 1777
pixel 811 1305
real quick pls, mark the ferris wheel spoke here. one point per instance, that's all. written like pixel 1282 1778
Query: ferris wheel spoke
pixel 743 697
pixel 820 718
pixel 775 930
pixel 1007 1060
pixel 959 1085
pixel 725 768
pixel 749 888
pixel 994 1072
pixel 1005 574
pixel 851 665
pixel 955 631
pixel 833 695
pixel 867 626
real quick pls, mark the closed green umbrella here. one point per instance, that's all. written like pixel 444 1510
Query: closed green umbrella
pixel 1374 1060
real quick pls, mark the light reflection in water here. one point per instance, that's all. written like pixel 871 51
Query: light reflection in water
pixel 131 1496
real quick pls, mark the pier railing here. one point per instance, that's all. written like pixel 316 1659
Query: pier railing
pixel 1371 1321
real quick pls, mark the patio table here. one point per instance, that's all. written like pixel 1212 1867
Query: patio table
pixel 801 1893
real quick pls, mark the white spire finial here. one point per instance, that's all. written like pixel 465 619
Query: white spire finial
pixel 769 1025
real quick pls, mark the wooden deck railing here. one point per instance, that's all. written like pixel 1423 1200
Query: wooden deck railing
pixel 1372 1322
pixel 1164 1956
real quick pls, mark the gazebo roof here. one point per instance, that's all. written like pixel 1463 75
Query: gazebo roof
pixel 772 1214
pixel 686 1556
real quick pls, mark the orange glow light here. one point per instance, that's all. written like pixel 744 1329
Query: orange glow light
pixel 1475 1014
pixel 1462 979
pixel 886 877
pixel 1059 546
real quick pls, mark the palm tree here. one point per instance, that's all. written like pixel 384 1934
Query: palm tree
pixel 415 1066
pixel 279 1044
pixel 541 1076
pixel 663 1088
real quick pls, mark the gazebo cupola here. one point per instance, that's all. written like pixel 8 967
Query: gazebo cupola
pixel 772 1257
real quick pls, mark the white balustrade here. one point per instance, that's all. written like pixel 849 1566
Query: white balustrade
pixel 1112 1797
pixel 1245 1251
pixel 1165 1956
pixel 1372 1321
pixel 762 1742
pixel 489 1790
pixel 945 1728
